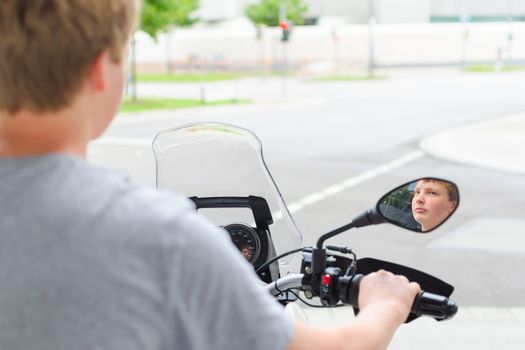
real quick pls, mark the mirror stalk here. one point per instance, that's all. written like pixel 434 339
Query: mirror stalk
pixel 334 233
pixel 369 217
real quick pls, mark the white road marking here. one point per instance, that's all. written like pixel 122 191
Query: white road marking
pixel 351 182
pixel 310 199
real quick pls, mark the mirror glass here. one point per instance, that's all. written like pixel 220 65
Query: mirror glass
pixel 420 205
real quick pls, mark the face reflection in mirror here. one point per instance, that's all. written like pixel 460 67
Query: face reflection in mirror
pixel 420 205
pixel 246 252
pixel 433 202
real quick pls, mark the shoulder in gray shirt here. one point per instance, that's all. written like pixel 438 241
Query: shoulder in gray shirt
pixel 89 260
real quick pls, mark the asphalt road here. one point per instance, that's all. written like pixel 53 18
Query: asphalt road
pixel 324 133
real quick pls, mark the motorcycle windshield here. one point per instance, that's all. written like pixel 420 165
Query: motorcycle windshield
pixel 221 160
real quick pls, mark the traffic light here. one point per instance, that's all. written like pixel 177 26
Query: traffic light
pixel 285 31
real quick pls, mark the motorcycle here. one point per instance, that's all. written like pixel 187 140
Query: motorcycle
pixel 222 169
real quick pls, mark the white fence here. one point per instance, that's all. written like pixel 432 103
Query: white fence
pixel 343 46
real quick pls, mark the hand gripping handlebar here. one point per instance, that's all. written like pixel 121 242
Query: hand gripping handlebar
pixel 425 304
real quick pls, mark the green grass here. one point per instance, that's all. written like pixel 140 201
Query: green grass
pixel 489 68
pixel 188 77
pixel 147 104
pixel 347 78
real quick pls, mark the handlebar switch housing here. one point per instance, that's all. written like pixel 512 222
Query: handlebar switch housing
pixel 329 291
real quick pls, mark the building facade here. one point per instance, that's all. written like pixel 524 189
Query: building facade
pixel 384 11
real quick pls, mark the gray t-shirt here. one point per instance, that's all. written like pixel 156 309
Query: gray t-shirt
pixel 90 260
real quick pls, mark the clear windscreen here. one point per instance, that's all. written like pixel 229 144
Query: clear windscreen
pixel 221 160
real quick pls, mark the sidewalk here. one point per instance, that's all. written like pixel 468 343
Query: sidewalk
pixel 472 328
pixel 496 144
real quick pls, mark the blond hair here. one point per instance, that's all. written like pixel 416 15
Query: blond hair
pixel 47 47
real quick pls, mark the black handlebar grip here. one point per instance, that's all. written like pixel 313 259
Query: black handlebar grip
pixel 433 305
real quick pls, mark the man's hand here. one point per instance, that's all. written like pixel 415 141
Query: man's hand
pixel 391 291
pixel 384 300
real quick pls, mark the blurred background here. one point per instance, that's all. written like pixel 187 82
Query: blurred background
pixel 350 99
pixel 336 36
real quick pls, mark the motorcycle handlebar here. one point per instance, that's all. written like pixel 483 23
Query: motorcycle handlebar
pixel 425 304
pixel 346 290
pixel 291 281
pixel 434 305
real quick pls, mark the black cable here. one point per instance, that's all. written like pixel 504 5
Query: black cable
pixel 304 301
pixel 291 290
pixel 279 257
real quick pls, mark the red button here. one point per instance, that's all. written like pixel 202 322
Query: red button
pixel 326 279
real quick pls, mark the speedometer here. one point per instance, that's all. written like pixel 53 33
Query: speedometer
pixel 246 240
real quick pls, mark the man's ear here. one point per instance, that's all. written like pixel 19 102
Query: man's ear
pixel 97 77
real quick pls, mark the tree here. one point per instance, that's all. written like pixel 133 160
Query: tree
pixel 267 12
pixel 159 15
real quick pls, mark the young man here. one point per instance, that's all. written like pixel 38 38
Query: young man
pixel 89 260
pixel 433 202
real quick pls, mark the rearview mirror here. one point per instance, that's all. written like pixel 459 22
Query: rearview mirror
pixel 420 205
